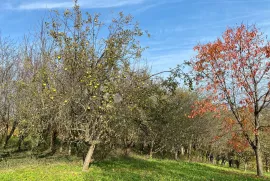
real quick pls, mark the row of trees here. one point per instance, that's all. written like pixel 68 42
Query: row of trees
pixel 79 87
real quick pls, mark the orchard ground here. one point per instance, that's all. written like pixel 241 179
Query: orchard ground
pixel 129 168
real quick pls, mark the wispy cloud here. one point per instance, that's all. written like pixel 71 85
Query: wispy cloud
pixel 43 5
pixel 145 8
pixel 153 5
pixel 230 1
pixel 69 4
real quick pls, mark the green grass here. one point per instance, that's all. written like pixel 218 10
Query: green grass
pixel 122 169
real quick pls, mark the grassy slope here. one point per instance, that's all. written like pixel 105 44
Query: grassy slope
pixel 124 169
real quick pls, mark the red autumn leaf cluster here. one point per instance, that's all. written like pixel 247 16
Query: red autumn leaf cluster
pixel 232 65
pixel 238 143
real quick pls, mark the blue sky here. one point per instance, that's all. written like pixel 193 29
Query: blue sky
pixel 176 26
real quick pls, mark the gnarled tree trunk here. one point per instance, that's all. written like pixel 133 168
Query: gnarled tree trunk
pixel 20 141
pixel 267 164
pixel 182 151
pixel 9 135
pixel 53 141
pixel 257 148
pixel 245 166
pixel 69 148
pixel 259 163
pixel 88 157
pixel 151 149
pixel 176 154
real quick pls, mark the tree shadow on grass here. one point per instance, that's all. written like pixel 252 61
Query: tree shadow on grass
pixel 140 169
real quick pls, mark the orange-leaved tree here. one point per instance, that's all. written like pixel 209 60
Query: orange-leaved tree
pixel 233 72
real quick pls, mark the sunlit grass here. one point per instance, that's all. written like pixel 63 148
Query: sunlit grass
pixel 135 168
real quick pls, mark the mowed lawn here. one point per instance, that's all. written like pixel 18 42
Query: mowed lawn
pixel 123 169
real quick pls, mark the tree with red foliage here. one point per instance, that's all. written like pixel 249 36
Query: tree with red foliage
pixel 234 72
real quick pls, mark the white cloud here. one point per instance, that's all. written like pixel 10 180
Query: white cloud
pixel 82 3
pixel 145 8
pixel 230 1
pixel 153 5
pixel 42 5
